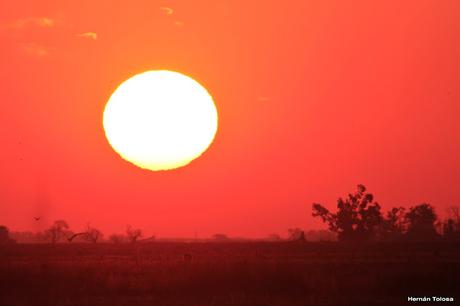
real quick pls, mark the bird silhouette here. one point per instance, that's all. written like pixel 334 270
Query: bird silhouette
pixel 37 218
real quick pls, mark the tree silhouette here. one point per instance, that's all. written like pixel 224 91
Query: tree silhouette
pixel 420 221
pixel 358 217
pixel 5 235
pixel 93 234
pixel 133 234
pixel 58 230
pixel 394 224
pixel 451 226
pixel 296 234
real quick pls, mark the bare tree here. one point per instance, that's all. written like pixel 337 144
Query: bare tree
pixel 133 234
pixel 296 234
pixel 58 230
pixel 93 234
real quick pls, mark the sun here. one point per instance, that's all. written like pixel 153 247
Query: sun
pixel 160 120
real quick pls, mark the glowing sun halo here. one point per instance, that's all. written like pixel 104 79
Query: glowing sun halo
pixel 160 120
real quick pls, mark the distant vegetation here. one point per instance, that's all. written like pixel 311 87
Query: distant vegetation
pixel 5 235
pixel 60 231
pixel 133 234
pixel 220 237
pixel 358 217
pixel 218 271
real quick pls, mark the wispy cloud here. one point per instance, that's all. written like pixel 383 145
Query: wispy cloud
pixel 36 36
pixel 88 35
pixel 41 22
pixel 45 22
pixel 167 10
pixel 22 34
pixel 35 49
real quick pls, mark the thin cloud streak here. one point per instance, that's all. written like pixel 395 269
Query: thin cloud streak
pixel 36 49
pixel 88 35
pixel 167 10
pixel 41 22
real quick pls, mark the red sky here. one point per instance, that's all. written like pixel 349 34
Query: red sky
pixel 314 97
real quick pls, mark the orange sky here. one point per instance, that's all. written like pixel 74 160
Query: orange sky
pixel 314 97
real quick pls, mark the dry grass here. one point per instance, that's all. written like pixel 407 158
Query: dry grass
pixel 226 274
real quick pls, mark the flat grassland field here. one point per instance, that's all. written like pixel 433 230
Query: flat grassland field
pixel 228 273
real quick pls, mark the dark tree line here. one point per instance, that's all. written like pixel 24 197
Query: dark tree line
pixel 359 218
pixel 59 231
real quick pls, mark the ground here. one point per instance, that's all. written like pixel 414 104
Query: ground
pixel 227 273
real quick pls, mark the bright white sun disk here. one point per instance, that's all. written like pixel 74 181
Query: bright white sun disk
pixel 160 120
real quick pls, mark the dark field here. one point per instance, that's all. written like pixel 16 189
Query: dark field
pixel 249 273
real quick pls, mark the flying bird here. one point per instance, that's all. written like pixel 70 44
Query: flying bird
pixel 37 218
